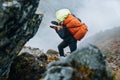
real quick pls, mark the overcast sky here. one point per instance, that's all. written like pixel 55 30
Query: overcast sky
pixel 98 15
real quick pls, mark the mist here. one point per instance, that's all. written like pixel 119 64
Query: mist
pixel 98 15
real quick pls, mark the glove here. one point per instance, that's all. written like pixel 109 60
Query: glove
pixel 54 22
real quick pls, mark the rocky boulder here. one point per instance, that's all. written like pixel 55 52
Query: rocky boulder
pixel 18 23
pixel 26 67
pixel 51 52
pixel 31 50
pixel 43 57
pixel 87 63
pixel 52 55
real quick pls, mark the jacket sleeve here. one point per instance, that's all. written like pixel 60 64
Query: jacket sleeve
pixel 61 33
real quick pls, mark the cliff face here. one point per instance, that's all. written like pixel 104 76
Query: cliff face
pixel 18 23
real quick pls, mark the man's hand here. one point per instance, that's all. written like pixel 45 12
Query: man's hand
pixel 56 27
pixel 59 27
pixel 53 26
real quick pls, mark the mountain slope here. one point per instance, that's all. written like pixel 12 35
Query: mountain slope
pixel 109 43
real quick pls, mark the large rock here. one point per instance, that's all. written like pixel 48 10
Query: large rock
pixel 18 23
pixel 85 64
pixel 52 55
pixel 27 67
pixel 51 52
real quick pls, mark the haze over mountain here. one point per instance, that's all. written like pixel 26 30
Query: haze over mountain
pixel 108 41
pixel 99 15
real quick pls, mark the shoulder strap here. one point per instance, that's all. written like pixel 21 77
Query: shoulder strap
pixel 77 18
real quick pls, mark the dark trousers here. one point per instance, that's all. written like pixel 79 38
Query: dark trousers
pixel 72 45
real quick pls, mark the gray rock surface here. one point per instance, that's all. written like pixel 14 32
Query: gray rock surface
pixel 18 23
pixel 85 64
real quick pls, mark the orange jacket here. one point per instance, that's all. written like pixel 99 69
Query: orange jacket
pixel 77 28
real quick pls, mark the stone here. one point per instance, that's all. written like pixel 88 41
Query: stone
pixel 26 67
pixel 87 63
pixel 18 24
pixel 51 52
pixel 43 57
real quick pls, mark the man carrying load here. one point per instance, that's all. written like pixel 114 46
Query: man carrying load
pixel 69 28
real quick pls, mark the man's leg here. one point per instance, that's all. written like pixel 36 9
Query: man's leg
pixel 73 46
pixel 61 47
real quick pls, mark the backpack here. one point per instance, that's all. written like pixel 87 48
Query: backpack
pixel 77 18
pixel 75 26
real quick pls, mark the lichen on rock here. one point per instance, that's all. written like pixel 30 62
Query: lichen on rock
pixel 18 23
pixel 26 67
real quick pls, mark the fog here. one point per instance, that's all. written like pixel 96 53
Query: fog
pixel 98 15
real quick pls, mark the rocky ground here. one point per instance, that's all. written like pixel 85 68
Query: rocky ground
pixel 85 64
pixel 82 65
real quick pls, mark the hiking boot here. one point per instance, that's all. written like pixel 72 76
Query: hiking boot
pixel 54 22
